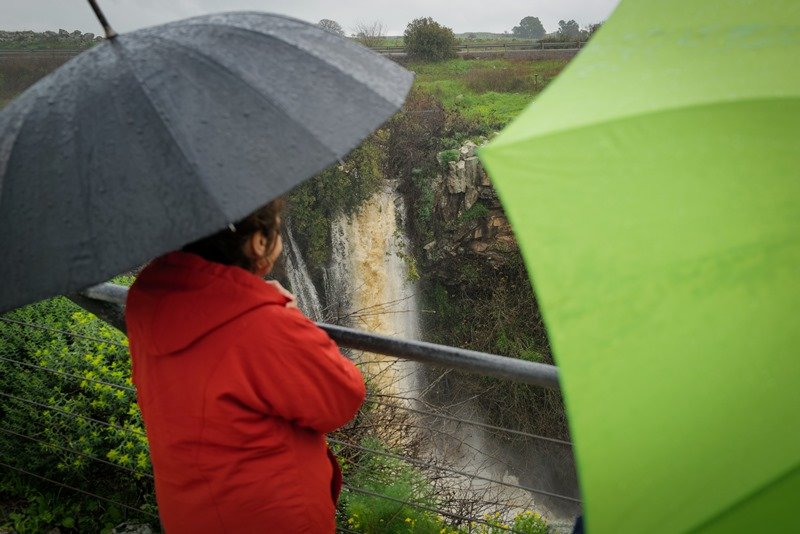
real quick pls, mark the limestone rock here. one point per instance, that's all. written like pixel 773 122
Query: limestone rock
pixel 468 150
pixel 462 231
pixel 470 197
pixel 473 169
pixel 457 181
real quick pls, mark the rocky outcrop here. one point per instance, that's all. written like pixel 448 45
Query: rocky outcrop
pixel 468 221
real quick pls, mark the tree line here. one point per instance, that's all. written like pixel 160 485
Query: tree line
pixel 426 39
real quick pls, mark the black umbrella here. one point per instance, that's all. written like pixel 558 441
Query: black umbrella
pixel 158 137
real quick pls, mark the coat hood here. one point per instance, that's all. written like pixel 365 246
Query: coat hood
pixel 180 297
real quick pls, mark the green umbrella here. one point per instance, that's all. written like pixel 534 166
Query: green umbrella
pixel 655 192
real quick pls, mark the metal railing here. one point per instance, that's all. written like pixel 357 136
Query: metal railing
pixel 470 361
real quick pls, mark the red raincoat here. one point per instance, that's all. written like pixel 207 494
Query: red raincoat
pixel 237 392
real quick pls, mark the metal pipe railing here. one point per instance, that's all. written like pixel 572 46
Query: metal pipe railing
pixel 470 361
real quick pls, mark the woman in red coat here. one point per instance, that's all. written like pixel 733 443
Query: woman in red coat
pixel 237 388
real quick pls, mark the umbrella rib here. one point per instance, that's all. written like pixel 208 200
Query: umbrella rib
pixel 500 143
pixel 165 123
pixel 221 67
pixel 307 51
pixel 733 505
pixel 5 155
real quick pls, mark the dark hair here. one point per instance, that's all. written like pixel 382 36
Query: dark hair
pixel 227 246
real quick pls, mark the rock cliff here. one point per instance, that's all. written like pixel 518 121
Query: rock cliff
pixel 467 219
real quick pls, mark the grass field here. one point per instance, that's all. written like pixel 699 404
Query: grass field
pixel 490 91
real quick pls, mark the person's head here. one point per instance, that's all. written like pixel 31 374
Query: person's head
pixel 254 243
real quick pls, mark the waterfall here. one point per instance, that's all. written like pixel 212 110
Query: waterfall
pixel 300 280
pixel 368 284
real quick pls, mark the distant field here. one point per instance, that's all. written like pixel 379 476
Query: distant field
pixel 20 72
pixel 466 38
pixel 491 91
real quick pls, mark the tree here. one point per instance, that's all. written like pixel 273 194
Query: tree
pixel 331 26
pixel 426 39
pixel 369 34
pixel 568 29
pixel 529 28
pixel 591 29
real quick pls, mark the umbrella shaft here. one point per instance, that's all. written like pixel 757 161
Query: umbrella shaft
pixel 110 33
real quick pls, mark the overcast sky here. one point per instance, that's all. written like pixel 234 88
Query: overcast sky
pixel 463 16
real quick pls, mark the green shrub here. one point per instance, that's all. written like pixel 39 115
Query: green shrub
pixel 428 40
pixel 449 155
pixel 475 212
pixel 341 188
pixel 530 523
pixel 513 79
pixel 64 442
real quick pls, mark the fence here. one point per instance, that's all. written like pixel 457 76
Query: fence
pixel 424 432
pixel 388 50
pixel 497 47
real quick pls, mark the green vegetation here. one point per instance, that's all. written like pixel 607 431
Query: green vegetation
pixel 529 28
pixel 494 311
pixel 427 40
pixel 88 381
pixel 475 212
pixel 331 26
pixel 411 501
pixel 341 188
pixel 489 92
pixel 569 29
pixel 415 137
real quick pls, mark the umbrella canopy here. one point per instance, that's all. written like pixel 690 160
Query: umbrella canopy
pixel 161 136
pixel 654 189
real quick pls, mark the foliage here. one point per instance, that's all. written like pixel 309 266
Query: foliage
pixel 414 135
pixel 569 29
pixel 591 29
pixel 477 110
pixel 493 311
pixel 427 40
pixel 396 497
pixel 396 479
pixel 370 34
pixel 64 512
pixel 331 26
pixel 475 212
pixel 529 28
pixel 65 442
pixel 530 523
pixel 514 79
pixel 414 140
pixel 339 189
pixel 451 154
